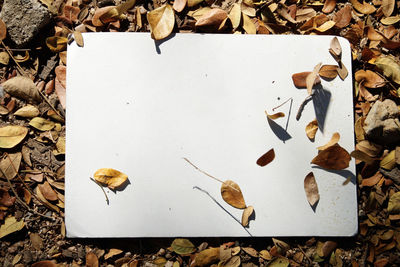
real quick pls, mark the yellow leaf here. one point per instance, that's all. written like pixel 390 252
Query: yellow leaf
pixel 311 189
pixel 394 203
pixel 390 67
pixel 78 38
pixel 247 212
pixel 364 8
pixel 206 257
pixel 60 145
pixel 27 111
pixel 162 21
pixel 4 58
pixel 12 135
pixel 197 14
pixel 312 77
pixel 275 116
pixel 279 262
pixel 22 87
pixel 231 193
pixel 3 110
pixel 235 15
pixel 191 3
pixel 110 177
pixel 326 26
pixel 311 129
pixel 212 20
pixel 182 246
pixel 112 252
pixel 56 43
pixel 334 140
pixel 389 161
pixel 390 20
pixel 6 169
pixel 265 255
pixel 248 25
pixel 11 225
pixel 42 124
pixel 388 7
pixel 232 262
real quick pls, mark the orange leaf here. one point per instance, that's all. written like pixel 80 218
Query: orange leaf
pixel 364 8
pixel 44 264
pixel 231 193
pixel 328 71
pixel 275 116
pixel 333 158
pixel 311 129
pixel 299 79
pixel 329 6
pixel 388 7
pixel 266 158
pixel 311 189
pixel 373 180
pixel 91 260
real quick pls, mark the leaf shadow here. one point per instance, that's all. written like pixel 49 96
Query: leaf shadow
pixel 344 173
pixel 158 43
pixel 314 207
pixel 321 99
pixel 279 131
pixel 122 186
pixel 230 214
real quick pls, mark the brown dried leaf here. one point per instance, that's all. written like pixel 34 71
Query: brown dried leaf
pixel 206 257
pixel 328 71
pixel 303 14
pixel 22 87
pixel 27 111
pixel 311 129
pixel 312 77
pixel 42 124
pixel 57 43
pixel 342 71
pixel 92 260
pixel 112 178
pixel 61 93
pixel 12 135
pixel 179 5
pixel 162 21
pixel 99 13
pixel 232 262
pixel 9 165
pixel 390 20
pixel 5 199
pixel 231 193
pixel 40 196
pixel 192 3
pixel 389 161
pixel 333 158
pixel 247 212
pixel 326 26
pixel 373 180
pixel 11 225
pixel 359 155
pixel 3 30
pixel 334 140
pixel 78 38
pixel 311 189
pixel 343 17
pixel 248 25
pixel 212 19
pixel 364 8
pixel 112 252
pixel 44 264
pixel 48 192
pixel 329 6
pixel 71 12
pixel 265 255
pixel 388 7
pixel 371 149
pixel 328 247
pixel 266 158
pixel 275 116
pixel 369 79
pixel 235 15
pixel 335 47
pixel 299 79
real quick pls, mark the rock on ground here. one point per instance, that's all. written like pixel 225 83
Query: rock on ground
pixel 382 123
pixel 24 19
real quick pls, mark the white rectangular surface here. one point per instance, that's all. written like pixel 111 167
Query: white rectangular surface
pixel 140 107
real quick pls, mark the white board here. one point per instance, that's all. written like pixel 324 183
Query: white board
pixel 141 107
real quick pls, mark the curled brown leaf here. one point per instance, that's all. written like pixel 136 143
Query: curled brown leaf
pixel 231 193
pixel 333 158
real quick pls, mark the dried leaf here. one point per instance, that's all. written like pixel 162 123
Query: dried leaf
pixel 335 47
pixel 27 111
pixel 5 199
pixel 311 78
pixel 92 260
pixel 333 158
pixel 334 140
pixel 192 3
pixel 389 161
pixel 390 20
pixel 71 12
pixel 303 14
pixel 279 262
pixel 329 6
pixel 248 10
pixel 328 71
pixel 3 30
pixel 359 155
pixel 60 145
pixel 248 25
pixel 44 264
pixel 311 189
pixel 162 21
pixel 11 225
pixel 112 252
pixel 232 262
pixel 231 193
pixel 369 79
pixel 179 5
pixel 326 26
pixel 342 71
pixel 78 38
pixel 328 247
pixel 61 93
pixel 36 240
pixel 390 68
pixel 48 192
pixel 22 87
pixel 373 180
pixel 56 43
pixel 311 129
pixel 299 79
pixel 235 15
pixel 394 203
pixel 266 158
pixel 343 17
pixel 3 110
pixel 39 194
pixel 212 19
pixel 364 8
pixel 371 149
pixel 275 116
pixel 265 255
pixel 388 7
pixel 4 58
pixel 247 212
pixel 42 124
pixel 110 177
pixel 182 246
pixel 12 135
pixel 206 257
pixel 6 169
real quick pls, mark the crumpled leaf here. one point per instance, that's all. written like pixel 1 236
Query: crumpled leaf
pixel 390 67
pixel 162 21
pixel 110 177
pixel 335 47
pixel 359 155
pixel 60 145
pixel 389 161
pixel 266 158
pixel 326 26
pixel 92 260
pixel 192 3
pixel 212 19
pixel 311 129
pixel 333 158
pixel 247 212
pixel 179 5
pixel 373 180
pixel 11 225
pixel 22 87
pixel 388 7
pixel 112 252
pixel 394 203
pixel 6 169
pixel 299 79
pixel 51 206
pixel 343 17
pixel 311 78
pixel 42 124
pixel 47 191
pixel 371 149
pixel 182 246
pixel 206 257
pixel 369 79
pixel 5 199
pixel 364 7
pixel 275 115
pixel 57 43
pixel 334 140
pixel 235 15
pixel 231 193
pixel 97 19
pixel 311 189
pixel 27 111
pixel 328 71
pixel 12 135
pixel 4 58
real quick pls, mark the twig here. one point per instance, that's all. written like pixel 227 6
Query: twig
pixel 282 104
pixel 301 108
pixel 48 102
pixel 304 254
pixel 17 49
pixel 289 113
pixel 107 200
pixel 203 172
pixel 12 57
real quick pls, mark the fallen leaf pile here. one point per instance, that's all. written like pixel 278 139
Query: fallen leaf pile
pixel 32 130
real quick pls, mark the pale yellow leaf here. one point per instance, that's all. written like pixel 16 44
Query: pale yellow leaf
pixel 110 177
pixel 235 15
pixel 388 7
pixel 12 135
pixel 231 193
pixel 162 21
pixel 247 212
pixel 179 5
pixel 78 38
pixel 10 164
pixel 311 189
pixel 42 124
pixel 27 111
pixel 248 25
pixel 11 225
pixel 312 77
pixel 311 129
pixel 363 7
pixel 334 140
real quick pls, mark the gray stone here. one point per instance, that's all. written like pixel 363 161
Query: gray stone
pixel 382 124
pixel 24 19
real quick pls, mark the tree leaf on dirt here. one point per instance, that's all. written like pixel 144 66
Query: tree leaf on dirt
pixel 27 111
pixel 369 79
pixel 389 161
pixel 212 19
pixel 335 48
pixel 92 260
pixel 359 155
pixel 3 30
pixel 363 7
pixel 247 212
pixel 109 177
pixel 4 58
pixel 343 17
pixel 5 199
pixel 22 87
pixel 12 135
pixel 182 246
pixel 47 191
pixel 112 252
pixel 279 262
pixel 231 193
pixel 179 5
pixel 206 257
pixel 299 79
pixel 44 264
pixel 371 149
pixel 329 6
pixel 78 38
pixel 394 203
pixel 162 21
pixel 51 206
pixel 390 68
pixel 333 158
pixel 334 140
pixel 60 145
pixel 3 110
pixel 248 25
pixel 6 169
pixel 266 158
pixel 390 20
pixel 235 15
pixel 328 247
pixel 311 189
pixel 275 115
pixel 10 226
pixel 232 262
pixel 373 180
pixel 57 43
pixel 42 124
pixel 312 77
pixel 328 71
pixel 264 254
pixel 311 129
pixel 388 7
pixel 251 251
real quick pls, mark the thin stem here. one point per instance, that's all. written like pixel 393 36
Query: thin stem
pixel 309 260
pixel 12 57
pixel 203 172
pixel 107 200
pixel 48 102
pixel 282 104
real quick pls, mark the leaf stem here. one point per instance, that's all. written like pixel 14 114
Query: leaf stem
pixel 302 105
pixel 282 104
pixel 107 200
